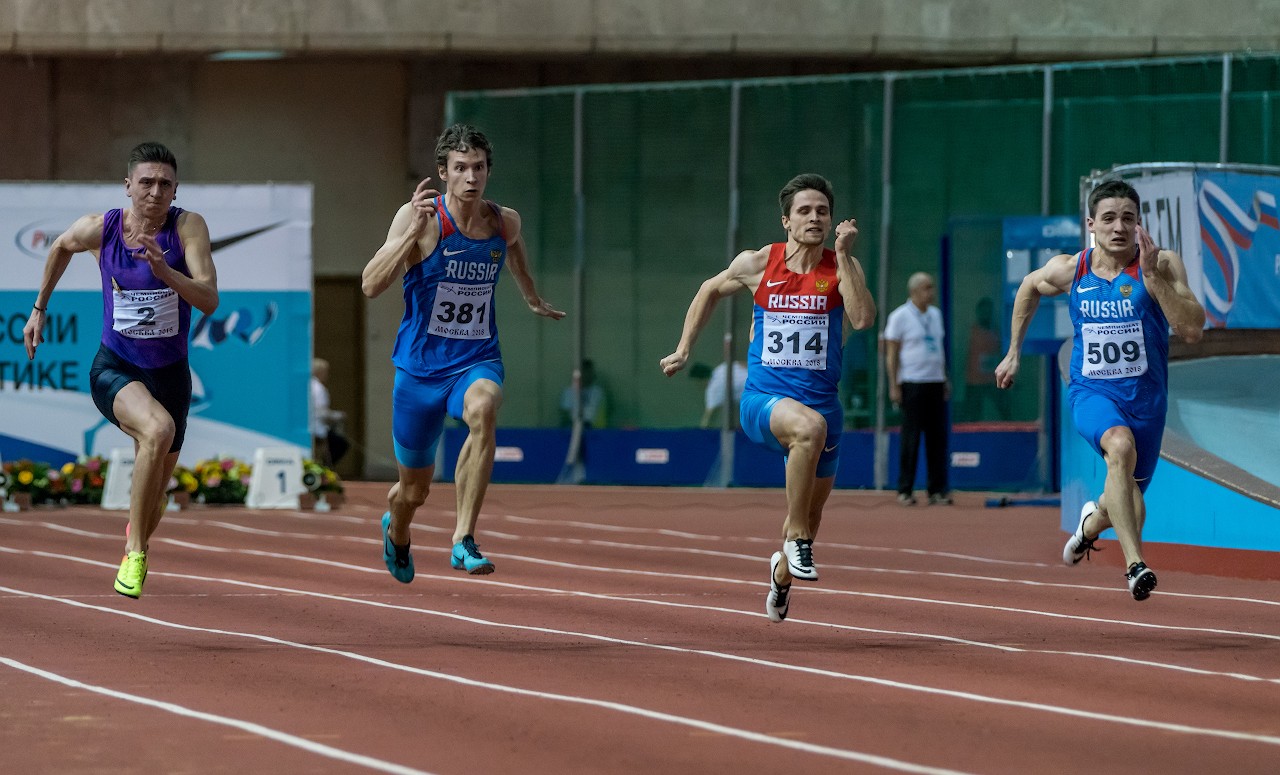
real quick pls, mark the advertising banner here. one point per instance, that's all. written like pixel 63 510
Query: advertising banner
pixel 1029 242
pixel 1224 225
pixel 250 360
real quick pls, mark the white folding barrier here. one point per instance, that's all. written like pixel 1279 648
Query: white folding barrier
pixel 276 481
pixel 115 493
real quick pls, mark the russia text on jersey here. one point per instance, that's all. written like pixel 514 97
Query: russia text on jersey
pixel 1122 308
pixel 471 270
pixel 797 301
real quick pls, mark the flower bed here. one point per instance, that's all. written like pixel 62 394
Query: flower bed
pixel 78 481
pixel 217 480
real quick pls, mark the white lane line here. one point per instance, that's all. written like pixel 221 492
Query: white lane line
pixel 722 580
pixel 707 726
pixel 754 539
pixel 1118 589
pixel 954 694
pixel 862 568
pixel 454 578
pixel 422 525
pixel 830 625
pixel 309 746
pixel 1113 590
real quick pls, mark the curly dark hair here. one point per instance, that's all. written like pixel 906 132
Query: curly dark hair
pixel 462 138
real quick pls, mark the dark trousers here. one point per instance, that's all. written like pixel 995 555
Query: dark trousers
pixel 924 411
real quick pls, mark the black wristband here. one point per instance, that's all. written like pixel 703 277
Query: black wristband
pixel 39 309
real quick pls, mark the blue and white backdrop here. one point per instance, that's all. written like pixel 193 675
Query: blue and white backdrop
pixel 250 360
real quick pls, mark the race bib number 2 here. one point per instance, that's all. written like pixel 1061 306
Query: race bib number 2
pixel 462 311
pixel 794 341
pixel 1113 350
pixel 149 314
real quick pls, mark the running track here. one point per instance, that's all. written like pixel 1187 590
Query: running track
pixel 624 633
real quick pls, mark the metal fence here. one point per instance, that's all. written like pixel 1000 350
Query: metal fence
pixel 632 195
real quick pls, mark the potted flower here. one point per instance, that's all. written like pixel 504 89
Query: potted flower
pixel 183 483
pixel 221 480
pixel 29 482
pixel 21 482
pixel 84 479
pixel 323 485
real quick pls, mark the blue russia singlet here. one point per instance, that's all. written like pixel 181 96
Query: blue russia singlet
pixel 448 323
pixel 144 321
pixel 797 332
pixel 1121 345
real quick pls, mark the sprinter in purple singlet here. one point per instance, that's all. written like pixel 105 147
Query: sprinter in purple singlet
pixel 1126 294
pixel 450 250
pixel 156 264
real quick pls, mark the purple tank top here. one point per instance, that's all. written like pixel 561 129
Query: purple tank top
pixel 144 321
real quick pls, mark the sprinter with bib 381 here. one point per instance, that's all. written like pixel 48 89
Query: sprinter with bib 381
pixel 450 250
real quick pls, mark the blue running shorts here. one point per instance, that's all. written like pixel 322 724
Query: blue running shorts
pixel 1094 414
pixel 754 412
pixel 418 407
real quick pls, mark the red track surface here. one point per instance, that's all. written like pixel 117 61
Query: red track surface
pixel 624 633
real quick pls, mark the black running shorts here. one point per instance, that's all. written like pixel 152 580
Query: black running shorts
pixel 169 385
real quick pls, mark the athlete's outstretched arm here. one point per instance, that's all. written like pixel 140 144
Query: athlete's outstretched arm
pixel 745 271
pixel 410 239
pixel 84 234
pixel 1166 278
pixel 518 264
pixel 859 306
pixel 1052 279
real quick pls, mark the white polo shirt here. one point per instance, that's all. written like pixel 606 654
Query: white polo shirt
pixel 921 357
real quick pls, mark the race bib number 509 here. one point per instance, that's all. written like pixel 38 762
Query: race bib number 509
pixel 1113 350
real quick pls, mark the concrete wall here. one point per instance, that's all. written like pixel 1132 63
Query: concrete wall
pixel 339 124
pixel 948 30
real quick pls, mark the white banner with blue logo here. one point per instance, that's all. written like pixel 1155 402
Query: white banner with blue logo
pixel 1224 224
pixel 250 360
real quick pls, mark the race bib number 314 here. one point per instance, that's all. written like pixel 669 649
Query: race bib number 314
pixel 794 341
pixel 462 311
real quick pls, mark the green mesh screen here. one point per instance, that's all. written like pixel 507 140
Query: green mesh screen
pixel 657 180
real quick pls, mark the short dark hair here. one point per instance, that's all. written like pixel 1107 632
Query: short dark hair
pixel 1112 188
pixel 143 153
pixel 462 138
pixel 804 182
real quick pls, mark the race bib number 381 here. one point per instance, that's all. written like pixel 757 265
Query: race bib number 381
pixel 149 314
pixel 794 340
pixel 462 311
pixel 1113 350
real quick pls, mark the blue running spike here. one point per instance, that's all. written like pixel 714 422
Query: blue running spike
pixel 398 559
